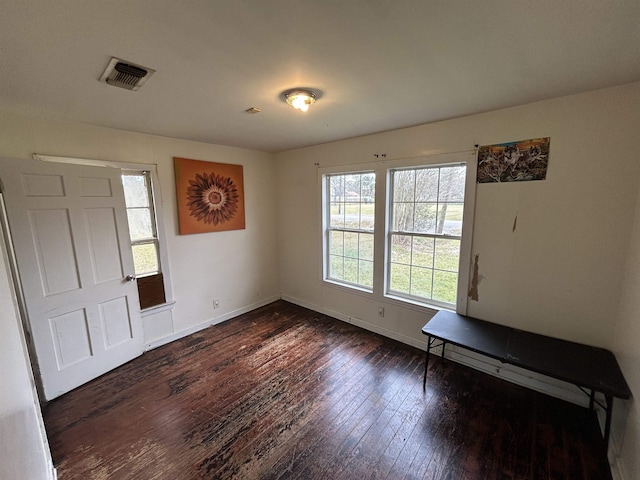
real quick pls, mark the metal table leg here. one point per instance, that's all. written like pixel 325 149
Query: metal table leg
pixel 426 365
pixel 607 423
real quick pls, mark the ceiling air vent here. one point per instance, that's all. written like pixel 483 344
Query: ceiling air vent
pixel 123 74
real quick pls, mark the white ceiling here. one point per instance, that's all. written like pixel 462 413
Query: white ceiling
pixel 378 64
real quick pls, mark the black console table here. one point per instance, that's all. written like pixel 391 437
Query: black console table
pixel 591 369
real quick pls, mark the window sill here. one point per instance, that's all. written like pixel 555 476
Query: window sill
pixel 389 298
pixel 348 286
pixel 415 303
pixel 157 308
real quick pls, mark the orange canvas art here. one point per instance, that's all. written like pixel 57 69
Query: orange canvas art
pixel 210 196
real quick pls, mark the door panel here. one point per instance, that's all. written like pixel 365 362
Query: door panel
pixel 70 334
pixel 51 234
pixel 42 185
pixel 103 244
pixel 70 236
pixel 114 315
pixel 95 187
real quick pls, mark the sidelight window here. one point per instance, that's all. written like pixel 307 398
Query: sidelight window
pixel 143 231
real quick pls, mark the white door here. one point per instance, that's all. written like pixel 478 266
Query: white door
pixel 70 235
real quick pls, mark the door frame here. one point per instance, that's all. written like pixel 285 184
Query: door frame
pixel 16 283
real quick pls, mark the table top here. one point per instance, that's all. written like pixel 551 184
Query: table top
pixel 590 367
pixel 479 336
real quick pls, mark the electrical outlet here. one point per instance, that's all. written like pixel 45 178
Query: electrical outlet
pixel 381 311
pixel 216 303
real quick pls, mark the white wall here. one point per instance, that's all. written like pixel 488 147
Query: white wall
pixel 559 273
pixel 239 268
pixel 24 451
pixel 627 349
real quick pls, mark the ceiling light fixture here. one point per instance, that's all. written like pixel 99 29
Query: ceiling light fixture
pixel 300 99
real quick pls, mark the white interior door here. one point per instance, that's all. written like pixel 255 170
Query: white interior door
pixel 71 240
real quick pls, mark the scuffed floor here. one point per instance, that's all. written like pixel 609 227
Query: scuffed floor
pixel 283 392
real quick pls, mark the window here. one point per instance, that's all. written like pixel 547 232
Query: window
pixel 425 232
pixel 422 253
pixel 142 228
pixel 349 224
pixel 144 237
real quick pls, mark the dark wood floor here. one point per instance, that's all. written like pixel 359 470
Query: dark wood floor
pixel 286 393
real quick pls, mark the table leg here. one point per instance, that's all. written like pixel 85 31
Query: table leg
pixel 426 365
pixel 607 423
pixel 592 399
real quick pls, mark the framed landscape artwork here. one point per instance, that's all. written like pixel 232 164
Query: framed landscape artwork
pixel 520 161
pixel 210 196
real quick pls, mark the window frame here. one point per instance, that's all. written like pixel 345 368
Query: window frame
pixel 154 220
pixel 391 232
pixel 328 229
pixel 381 169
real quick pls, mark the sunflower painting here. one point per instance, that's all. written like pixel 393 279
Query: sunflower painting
pixel 210 196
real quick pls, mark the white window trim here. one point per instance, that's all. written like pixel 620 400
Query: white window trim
pixel 157 201
pixel 390 232
pixel 381 168
pixel 155 240
pixel 326 230
pixel 168 305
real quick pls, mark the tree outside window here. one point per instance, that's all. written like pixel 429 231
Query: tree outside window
pixel 425 232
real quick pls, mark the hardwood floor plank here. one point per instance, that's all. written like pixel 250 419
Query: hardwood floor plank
pixel 286 393
pixel 331 400
pixel 368 415
pixel 406 419
pixel 261 443
pixel 344 414
pixel 383 432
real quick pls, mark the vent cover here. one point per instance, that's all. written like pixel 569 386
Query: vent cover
pixel 124 74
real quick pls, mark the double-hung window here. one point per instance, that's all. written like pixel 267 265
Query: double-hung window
pixel 138 196
pixel 423 258
pixel 425 231
pixel 142 225
pixel 349 220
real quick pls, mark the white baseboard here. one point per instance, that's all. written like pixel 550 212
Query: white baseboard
pixel 540 383
pixel 555 388
pixel 358 322
pixel 212 321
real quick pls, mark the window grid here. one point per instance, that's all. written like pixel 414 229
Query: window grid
pixel 144 239
pixel 349 231
pixel 408 276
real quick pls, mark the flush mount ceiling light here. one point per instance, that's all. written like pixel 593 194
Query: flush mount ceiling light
pixel 300 98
